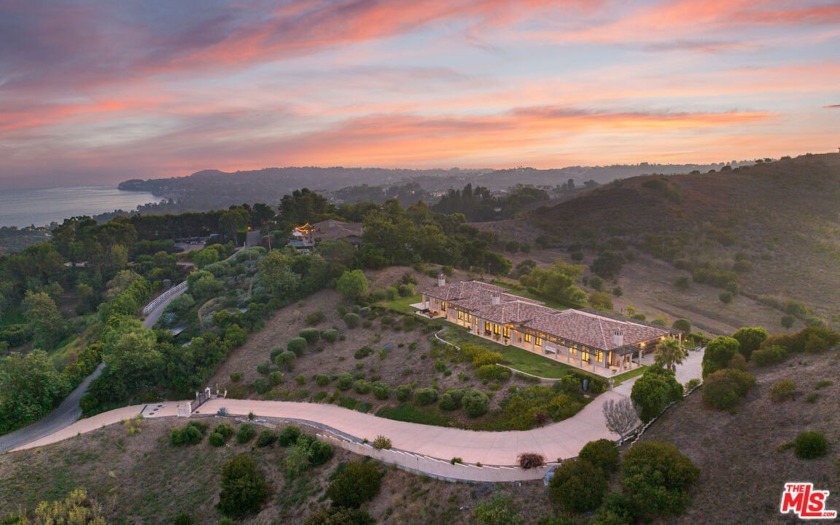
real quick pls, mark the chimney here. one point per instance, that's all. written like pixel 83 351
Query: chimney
pixel 618 338
pixel 441 280
pixel 496 299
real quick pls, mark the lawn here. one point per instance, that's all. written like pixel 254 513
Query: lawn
pixel 403 304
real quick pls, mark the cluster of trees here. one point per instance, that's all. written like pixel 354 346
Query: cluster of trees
pixel 655 478
pixel 556 283
pixel 479 204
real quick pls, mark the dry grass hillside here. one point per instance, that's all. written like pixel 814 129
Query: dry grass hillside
pixel 743 464
pixel 779 221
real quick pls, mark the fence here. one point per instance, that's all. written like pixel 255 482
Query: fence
pixel 164 296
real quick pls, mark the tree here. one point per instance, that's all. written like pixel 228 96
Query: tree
pixel 275 271
pixel 354 484
pixel 656 478
pixel 654 391
pixel 669 353
pixel 244 488
pixel 119 256
pixel 44 320
pixel 608 264
pixel 352 285
pixel 577 486
pixel 719 352
pixel 30 387
pixel 683 325
pixel 233 221
pixel 602 453
pixel 724 388
pixel 750 338
pixel 621 416
pixel 557 283
pixel 497 511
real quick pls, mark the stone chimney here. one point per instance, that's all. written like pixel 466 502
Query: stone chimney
pixel 496 299
pixel 618 338
pixel 441 280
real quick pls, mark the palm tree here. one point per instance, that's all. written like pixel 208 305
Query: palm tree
pixel 670 353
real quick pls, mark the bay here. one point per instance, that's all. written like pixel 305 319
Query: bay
pixel 23 208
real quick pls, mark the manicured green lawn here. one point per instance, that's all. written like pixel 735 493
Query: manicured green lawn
pixel 517 358
pixel 402 304
pixel 629 375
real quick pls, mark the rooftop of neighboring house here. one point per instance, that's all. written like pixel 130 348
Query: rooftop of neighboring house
pixel 333 229
pixel 586 328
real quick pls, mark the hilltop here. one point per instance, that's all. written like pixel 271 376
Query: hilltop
pixel 770 232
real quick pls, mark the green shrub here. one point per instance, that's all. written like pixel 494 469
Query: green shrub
pixel 216 439
pixel 286 360
pixel 656 478
pixel 289 436
pixel 261 386
pixel 824 383
pixel 381 442
pixel 355 483
pixel 577 486
pixel 724 389
pixel 363 352
pixel 235 377
pixel 320 453
pixel 425 396
pixel 345 382
pixel 330 335
pixel 718 354
pixel 322 380
pixel 498 510
pixel 475 403
pixel 296 345
pixel 493 373
pixel 184 519
pixel 602 453
pixel 617 509
pixel 810 445
pixel 315 317
pixel 404 393
pixel 654 391
pixel 312 335
pixel 360 386
pixel 188 435
pixel 749 339
pixel 451 399
pixel 275 378
pixel 783 390
pixel 381 390
pixel 246 433
pixel 264 368
pixel 267 438
pixel 244 488
pixel 683 325
pixel 769 355
pixel 225 430
pixel 352 320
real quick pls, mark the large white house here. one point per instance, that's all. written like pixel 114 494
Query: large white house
pixel 592 342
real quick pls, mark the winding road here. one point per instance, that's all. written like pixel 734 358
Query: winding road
pixel 69 411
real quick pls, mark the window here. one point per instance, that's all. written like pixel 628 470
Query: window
pixel 573 349
pixel 460 315
pixel 599 356
pixel 527 338
pixel 506 331
pixel 584 356
pixel 487 326
pixel 442 306
pixel 538 341
pixel 497 329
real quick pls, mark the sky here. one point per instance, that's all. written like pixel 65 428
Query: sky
pixel 98 91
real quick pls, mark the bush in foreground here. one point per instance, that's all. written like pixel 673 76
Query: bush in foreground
pixel 578 486
pixel 355 483
pixel 656 478
pixel 244 488
pixel 246 433
pixel 654 391
pixel 769 355
pixel 725 388
pixel 529 460
pixel 340 516
pixel 783 390
pixel 602 453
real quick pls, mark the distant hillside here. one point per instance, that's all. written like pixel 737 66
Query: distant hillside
pixel 774 228
pixel 212 188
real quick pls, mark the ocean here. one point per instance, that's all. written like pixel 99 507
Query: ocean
pixel 41 207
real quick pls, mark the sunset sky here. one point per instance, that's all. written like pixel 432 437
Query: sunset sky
pixel 99 91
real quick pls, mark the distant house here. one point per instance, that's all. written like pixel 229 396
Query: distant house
pixel 308 235
pixel 592 342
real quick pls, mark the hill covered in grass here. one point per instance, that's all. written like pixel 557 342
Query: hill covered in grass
pixel 771 231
